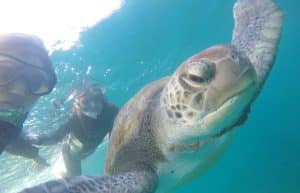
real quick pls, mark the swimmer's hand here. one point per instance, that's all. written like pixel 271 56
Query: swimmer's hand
pixel 40 164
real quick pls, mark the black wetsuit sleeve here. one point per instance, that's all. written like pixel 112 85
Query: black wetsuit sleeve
pixel 8 133
pixel 113 111
pixel 104 126
pixel 54 136
pixel 22 147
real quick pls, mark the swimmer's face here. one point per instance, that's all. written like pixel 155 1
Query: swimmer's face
pixel 17 84
pixel 24 59
pixel 90 103
pixel 37 81
pixel 16 95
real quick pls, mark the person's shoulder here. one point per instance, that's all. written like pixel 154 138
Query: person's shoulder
pixel 111 109
pixel 71 120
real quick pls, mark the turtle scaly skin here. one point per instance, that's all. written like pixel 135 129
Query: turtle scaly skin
pixel 177 127
pixel 263 21
pixel 163 125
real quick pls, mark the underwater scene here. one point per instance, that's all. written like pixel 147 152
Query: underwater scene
pixel 143 41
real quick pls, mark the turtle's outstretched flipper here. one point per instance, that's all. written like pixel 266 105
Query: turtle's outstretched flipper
pixel 257 32
pixel 142 180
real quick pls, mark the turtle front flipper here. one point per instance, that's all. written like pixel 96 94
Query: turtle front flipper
pixel 140 180
pixel 257 32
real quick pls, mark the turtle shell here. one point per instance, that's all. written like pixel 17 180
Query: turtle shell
pixel 132 135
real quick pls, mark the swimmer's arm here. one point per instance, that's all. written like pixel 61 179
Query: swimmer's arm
pixel 22 147
pixel 53 137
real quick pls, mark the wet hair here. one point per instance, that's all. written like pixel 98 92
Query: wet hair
pixel 91 90
pixel 28 48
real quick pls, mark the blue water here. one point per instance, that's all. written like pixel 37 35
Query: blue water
pixel 147 40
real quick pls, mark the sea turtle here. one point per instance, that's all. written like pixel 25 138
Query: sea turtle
pixel 175 127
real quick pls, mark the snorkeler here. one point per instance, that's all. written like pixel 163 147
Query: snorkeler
pixel 90 120
pixel 26 73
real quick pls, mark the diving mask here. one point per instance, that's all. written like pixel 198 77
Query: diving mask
pixel 39 81
pixel 90 103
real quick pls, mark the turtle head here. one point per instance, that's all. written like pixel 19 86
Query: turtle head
pixel 209 92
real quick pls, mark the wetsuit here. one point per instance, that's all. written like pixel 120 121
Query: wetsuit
pixel 83 133
pixel 22 147
pixel 8 132
pixel 11 123
pixel 13 141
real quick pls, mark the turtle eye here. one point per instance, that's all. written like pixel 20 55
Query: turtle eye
pixel 196 79
pixel 201 72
